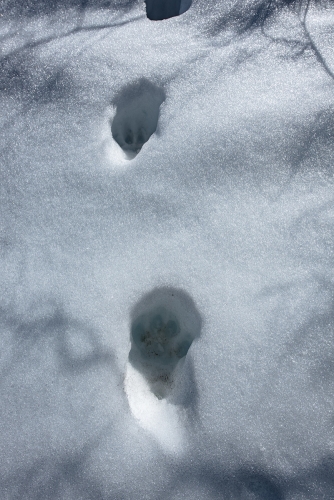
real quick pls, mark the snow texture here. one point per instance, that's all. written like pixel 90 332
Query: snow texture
pixel 166 250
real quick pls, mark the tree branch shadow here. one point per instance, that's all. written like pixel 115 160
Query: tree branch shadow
pixel 260 13
pixel 74 31
pixel 77 345
pixel 59 476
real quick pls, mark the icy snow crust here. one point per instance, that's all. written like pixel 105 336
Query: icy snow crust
pixel 229 202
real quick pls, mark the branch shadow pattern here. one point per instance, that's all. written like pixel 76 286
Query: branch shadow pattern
pixel 254 482
pixel 312 149
pixel 318 134
pixel 47 479
pixel 30 45
pixel 243 20
pixel 32 8
pixel 259 14
pixel 18 78
pixel 54 478
pixel 64 477
pixel 77 345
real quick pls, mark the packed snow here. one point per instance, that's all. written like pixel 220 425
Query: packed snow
pixel 166 246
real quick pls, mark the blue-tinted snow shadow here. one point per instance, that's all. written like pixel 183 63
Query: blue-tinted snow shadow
pixel 245 20
pixel 46 7
pixel 78 350
pixel 254 482
pixel 24 48
pixel 64 475
pixel 258 15
pixel 312 145
pixel 313 338
pixel 237 484
pixel 23 77
pixel 316 336
pixel 56 477
pixel 78 346
pixel 314 482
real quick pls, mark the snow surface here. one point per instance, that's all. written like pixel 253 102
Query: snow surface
pixel 229 203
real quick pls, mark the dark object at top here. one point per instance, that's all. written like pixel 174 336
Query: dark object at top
pixel 158 10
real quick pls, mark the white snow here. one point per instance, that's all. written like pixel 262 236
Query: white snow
pixel 159 417
pixel 226 199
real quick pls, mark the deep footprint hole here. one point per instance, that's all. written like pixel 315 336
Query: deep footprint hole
pixel 158 10
pixel 164 325
pixel 137 114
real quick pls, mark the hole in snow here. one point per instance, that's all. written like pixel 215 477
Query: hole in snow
pixel 137 113
pixel 158 10
pixel 164 325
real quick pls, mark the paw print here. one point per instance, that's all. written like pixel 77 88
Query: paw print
pixel 159 339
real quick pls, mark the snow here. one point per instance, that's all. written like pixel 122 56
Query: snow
pixel 218 218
